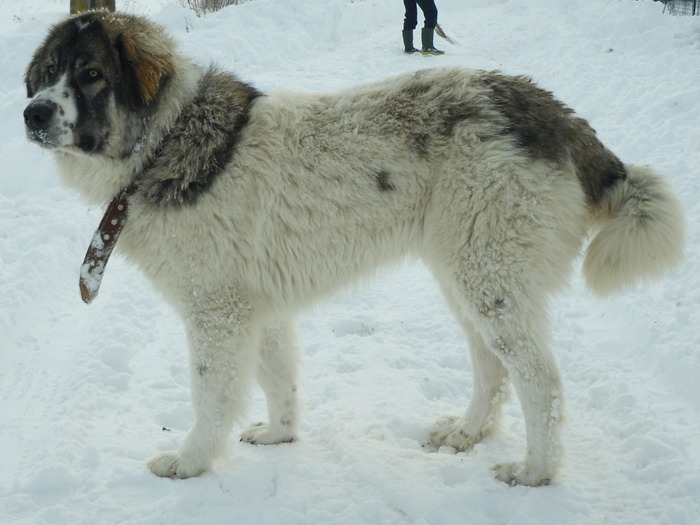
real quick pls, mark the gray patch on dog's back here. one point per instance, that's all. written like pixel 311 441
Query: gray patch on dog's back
pixel 201 142
pixel 547 129
pixel 533 117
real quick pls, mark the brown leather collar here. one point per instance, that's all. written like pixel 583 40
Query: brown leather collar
pixel 103 242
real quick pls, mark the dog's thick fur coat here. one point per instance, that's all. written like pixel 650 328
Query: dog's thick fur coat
pixel 249 206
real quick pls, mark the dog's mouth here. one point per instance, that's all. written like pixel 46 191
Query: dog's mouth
pixel 83 144
pixel 48 140
pixel 41 137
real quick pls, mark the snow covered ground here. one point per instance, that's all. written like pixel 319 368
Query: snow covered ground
pixel 86 391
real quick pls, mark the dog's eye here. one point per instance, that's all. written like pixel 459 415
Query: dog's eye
pixel 51 70
pixel 90 75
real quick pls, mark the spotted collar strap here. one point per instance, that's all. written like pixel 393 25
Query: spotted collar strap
pixel 103 242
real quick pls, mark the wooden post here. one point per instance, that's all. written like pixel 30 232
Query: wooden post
pixel 80 6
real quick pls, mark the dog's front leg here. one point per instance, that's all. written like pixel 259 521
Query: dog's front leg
pixel 277 375
pixel 222 341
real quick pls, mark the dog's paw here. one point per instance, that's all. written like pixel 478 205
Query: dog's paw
pixel 449 431
pixel 517 473
pixel 264 434
pixel 172 465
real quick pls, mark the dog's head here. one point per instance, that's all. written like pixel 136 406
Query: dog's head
pixel 88 68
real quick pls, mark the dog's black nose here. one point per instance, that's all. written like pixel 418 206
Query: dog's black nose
pixel 38 115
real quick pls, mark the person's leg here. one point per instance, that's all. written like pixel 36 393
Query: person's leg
pixel 430 13
pixel 410 20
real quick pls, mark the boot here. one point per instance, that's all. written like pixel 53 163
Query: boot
pixel 408 41
pixel 427 34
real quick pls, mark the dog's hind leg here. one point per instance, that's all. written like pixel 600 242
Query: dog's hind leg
pixel 484 410
pixel 511 325
pixel 520 340
pixel 500 243
pixel 222 338
pixel 277 376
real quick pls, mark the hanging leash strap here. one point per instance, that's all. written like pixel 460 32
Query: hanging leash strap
pixel 103 242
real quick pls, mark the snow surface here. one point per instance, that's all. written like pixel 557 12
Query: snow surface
pixel 85 392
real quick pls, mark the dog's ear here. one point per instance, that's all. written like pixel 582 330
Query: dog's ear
pixel 146 61
pixel 31 77
pixel 34 72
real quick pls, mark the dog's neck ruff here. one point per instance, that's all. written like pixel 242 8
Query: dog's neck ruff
pixel 103 242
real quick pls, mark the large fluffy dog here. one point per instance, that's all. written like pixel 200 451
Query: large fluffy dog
pixel 244 207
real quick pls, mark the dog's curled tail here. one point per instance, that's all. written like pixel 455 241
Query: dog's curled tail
pixel 641 233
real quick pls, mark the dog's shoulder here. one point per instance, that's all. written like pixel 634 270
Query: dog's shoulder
pixel 201 142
